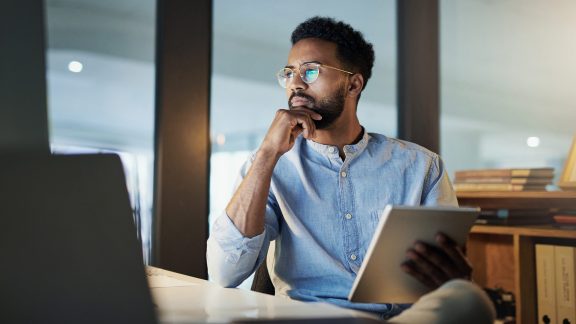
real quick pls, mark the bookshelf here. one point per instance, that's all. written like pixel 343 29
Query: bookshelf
pixel 503 256
pixel 518 199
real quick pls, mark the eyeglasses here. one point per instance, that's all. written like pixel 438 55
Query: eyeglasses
pixel 309 73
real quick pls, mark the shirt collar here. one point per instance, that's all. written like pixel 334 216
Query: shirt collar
pixel 332 150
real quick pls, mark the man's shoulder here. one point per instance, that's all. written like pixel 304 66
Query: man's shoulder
pixel 398 146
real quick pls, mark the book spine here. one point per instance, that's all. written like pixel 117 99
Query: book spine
pixel 502 173
pixel 545 283
pixel 495 173
pixel 496 187
pixel 520 181
pixel 509 213
pixel 565 286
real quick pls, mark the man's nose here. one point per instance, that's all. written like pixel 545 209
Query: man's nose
pixel 296 83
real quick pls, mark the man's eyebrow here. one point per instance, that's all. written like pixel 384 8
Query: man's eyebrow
pixel 292 66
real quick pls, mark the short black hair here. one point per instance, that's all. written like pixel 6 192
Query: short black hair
pixel 352 49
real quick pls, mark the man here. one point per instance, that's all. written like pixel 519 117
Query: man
pixel 319 181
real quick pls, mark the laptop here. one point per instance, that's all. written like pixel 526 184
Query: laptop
pixel 68 246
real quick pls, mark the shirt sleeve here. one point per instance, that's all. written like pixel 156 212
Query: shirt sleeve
pixel 438 187
pixel 232 257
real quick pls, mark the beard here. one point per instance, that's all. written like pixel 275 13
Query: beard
pixel 330 108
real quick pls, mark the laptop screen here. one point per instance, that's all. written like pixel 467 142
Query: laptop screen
pixel 68 244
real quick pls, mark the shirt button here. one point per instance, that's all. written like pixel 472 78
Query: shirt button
pixel 348 216
pixel 343 174
pixel 353 257
pixel 331 150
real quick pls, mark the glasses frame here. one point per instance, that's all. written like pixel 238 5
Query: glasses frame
pixel 301 73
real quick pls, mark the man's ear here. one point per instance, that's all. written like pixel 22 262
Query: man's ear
pixel 355 85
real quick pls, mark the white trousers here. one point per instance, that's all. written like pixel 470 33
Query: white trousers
pixel 457 301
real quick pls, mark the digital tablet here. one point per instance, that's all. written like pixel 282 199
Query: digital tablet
pixel 381 278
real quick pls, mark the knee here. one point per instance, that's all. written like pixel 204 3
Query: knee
pixel 457 301
pixel 463 300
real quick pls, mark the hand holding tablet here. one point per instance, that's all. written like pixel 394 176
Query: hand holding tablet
pixel 435 265
pixel 381 278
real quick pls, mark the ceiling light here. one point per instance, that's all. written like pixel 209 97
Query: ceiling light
pixel 533 141
pixel 75 66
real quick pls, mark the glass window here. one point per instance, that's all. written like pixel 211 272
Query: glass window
pixel 251 43
pixel 100 73
pixel 508 77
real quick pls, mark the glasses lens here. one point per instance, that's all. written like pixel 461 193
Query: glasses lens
pixel 309 72
pixel 283 76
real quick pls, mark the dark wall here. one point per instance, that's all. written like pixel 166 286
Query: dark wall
pixel 418 72
pixel 23 108
pixel 183 71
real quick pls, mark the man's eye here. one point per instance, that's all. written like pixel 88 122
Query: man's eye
pixel 311 74
pixel 288 74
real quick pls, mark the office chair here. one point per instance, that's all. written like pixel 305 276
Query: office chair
pixel 262 282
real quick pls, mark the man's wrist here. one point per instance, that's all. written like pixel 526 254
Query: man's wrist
pixel 268 154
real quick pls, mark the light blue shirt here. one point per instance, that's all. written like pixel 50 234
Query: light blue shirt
pixel 322 213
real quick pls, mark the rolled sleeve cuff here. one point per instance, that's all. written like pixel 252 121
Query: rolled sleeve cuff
pixel 232 242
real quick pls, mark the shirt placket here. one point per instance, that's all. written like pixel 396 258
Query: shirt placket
pixel 349 225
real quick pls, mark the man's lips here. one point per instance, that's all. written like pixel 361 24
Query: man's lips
pixel 300 101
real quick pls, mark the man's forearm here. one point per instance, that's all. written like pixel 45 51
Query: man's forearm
pixel 248 205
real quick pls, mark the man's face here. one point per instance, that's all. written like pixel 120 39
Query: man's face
pixel 326 95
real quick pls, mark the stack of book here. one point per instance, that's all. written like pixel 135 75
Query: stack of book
pixel 505 216
pixel 565 218
pixel 530 179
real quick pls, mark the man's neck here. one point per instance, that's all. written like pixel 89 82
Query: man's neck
pixel 340 135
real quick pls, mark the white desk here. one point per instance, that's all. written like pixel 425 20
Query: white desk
pixel 181 298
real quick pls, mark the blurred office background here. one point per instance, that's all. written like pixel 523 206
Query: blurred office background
pixel 507 78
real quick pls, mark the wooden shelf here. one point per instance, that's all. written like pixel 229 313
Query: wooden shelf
pixel 545 231
pixel 518 199
pixel 503 256
pixel 518 194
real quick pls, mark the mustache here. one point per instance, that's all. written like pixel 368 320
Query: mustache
pixel 301 95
